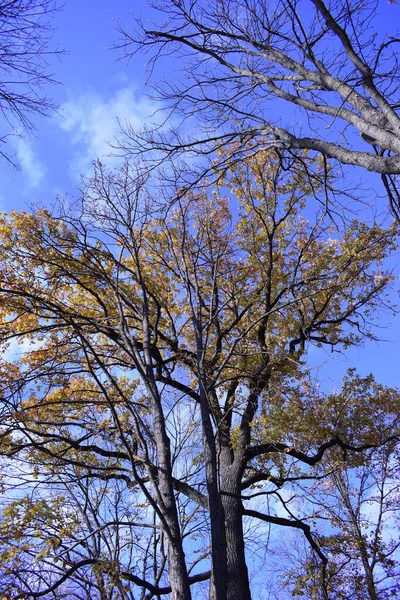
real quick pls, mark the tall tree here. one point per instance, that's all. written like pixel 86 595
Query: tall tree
pixel 303 74
pixel 149 349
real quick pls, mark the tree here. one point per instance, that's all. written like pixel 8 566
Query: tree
pixel 362 505
pixel 24 41
pixel 55 537
pixel 149 353
pixel 292 74
pixel 353 507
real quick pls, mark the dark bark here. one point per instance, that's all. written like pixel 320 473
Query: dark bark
pixel 238 587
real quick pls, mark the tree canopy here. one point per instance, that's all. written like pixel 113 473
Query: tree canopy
pixel 156 404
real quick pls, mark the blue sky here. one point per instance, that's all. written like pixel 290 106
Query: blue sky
pixel 96 90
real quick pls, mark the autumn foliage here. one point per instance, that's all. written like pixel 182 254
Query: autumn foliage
pixel 156 402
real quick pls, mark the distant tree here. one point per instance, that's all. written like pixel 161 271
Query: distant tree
pixel 24 52
pixel 354 507
pixel 76 533
pixel 154 360
pixel 299 74
pixel 363 507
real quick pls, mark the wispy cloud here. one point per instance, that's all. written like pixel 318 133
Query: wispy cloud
pixel 94 121
pixel 32 167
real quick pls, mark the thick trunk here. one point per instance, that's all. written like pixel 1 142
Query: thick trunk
pixel 238 578
pixel 238 586
pixel 369 578
pixel 232 468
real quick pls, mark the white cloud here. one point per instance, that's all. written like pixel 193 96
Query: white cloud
pixel 93 121
pixel 32 168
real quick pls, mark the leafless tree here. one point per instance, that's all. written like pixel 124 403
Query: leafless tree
pixel 24 49
pixel 303 74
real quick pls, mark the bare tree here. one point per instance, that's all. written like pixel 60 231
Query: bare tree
pixel 24 51
pixel 300 74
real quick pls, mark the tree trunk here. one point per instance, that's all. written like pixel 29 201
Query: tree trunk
pixel 177 570
pixel 359 539
pixel 218 584
pixel 177 573
pixel 238 586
